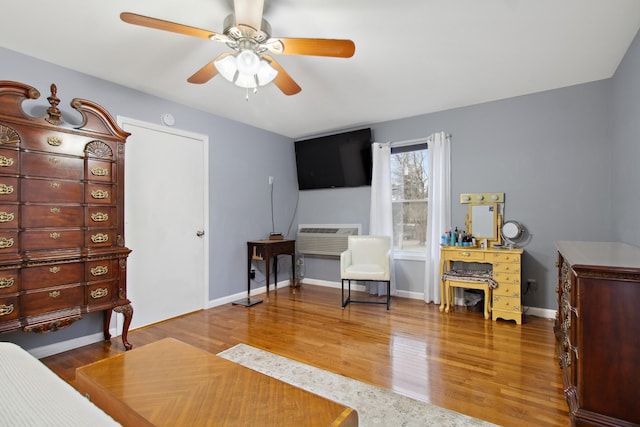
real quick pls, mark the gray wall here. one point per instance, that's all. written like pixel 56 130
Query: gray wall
pixel 238 174
pixel 625 168
pixel 566 160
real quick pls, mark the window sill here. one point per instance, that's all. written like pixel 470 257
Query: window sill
pixel 409 256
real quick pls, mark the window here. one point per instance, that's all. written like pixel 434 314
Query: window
pixel 409 198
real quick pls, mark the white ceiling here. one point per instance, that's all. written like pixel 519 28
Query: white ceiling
pixel 412 56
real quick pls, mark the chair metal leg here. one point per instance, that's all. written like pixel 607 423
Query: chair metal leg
pixel 388 294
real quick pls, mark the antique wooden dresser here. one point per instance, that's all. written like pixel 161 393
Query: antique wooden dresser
pixel 597 329
pixel 62 251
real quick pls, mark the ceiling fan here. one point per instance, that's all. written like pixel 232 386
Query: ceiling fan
pixel 249 35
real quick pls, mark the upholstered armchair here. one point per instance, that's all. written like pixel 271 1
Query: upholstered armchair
pixel 367 258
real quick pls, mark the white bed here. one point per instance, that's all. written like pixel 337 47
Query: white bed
pixel 33 395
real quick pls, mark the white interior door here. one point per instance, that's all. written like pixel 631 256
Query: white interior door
pixel 165 214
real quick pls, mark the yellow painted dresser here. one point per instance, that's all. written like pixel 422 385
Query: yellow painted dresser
pixel 506 264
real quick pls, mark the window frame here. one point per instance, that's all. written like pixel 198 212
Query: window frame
pixel 400 254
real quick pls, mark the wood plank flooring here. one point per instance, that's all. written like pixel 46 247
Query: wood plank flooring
pixel 497 371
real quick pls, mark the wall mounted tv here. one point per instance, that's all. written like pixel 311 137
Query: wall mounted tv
pixel 334 161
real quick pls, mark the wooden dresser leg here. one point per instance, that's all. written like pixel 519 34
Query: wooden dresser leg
pixel 127 311
pixel 106 324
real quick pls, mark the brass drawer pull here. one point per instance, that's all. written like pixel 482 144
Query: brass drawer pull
pixel 100 217
pixel 54 269
pixel 100 270
pixel 6 189
pixel 99 293
pixel 54 294
pixel 5 162
pixel 54 141
pixel 6 216
pixel 100 238
pixel 99 194
pixel 6 242
pixel 99 171
pixel 54 160
pixel 55 235
pixel 6 309
pixel 6 282
pixel 55 185
pixel 54 211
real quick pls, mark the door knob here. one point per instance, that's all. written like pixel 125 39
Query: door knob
pixel 200 233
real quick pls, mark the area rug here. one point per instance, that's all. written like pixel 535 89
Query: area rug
pixel 375 406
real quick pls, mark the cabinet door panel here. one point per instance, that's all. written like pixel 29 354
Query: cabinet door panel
pixel 52 166
pixel 55 238
pixel 51 191
pixel 52 216
pixel 52 299
pixel 52 275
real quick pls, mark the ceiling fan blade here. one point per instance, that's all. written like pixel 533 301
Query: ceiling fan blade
pixel 159 24
pixel 207 72
pixel 283 80
pixel 248 13
pixel 315 47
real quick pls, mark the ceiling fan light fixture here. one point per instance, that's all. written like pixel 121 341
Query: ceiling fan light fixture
pixel 227 67
pixel 247 81
pixel 248 62
pixel 266 73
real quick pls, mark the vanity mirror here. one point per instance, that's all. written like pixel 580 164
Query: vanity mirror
pixel 484 218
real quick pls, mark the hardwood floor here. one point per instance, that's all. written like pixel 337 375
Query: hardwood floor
pixel 497 371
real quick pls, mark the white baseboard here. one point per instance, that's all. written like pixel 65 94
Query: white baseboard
pixel 59 347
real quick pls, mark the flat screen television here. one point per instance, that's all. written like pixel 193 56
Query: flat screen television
pixel 334 161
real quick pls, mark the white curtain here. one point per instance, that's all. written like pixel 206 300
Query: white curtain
pixel 438 211
pixel 381 219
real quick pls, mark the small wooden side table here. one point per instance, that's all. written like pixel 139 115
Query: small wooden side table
pixel 267 250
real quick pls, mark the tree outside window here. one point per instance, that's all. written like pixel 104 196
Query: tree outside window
pixel 409 197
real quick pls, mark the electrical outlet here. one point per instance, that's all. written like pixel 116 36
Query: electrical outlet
pixel 532 285
pixel 270 179
pixel 252 274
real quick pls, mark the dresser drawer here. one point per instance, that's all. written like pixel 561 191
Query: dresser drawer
pixel 101 216
pixel 53 142
pixel 96 238
pixel 99 170
pixel 9 308
pixel 60 238
pixel 9 216
pixel 504 257
pixel 51 299
pixel 51 191
pixel 502 303
pixel 8 241
pixel 100 270
pixel 52 166
pixel 501 267
pixel 101 292
pixel 100 194
pixel 465 255
pixel 508 289
pixel 507 277
pixel 52 275
pixel 8 189
pixel 9 281
pixel 9 161
pixel 52 216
